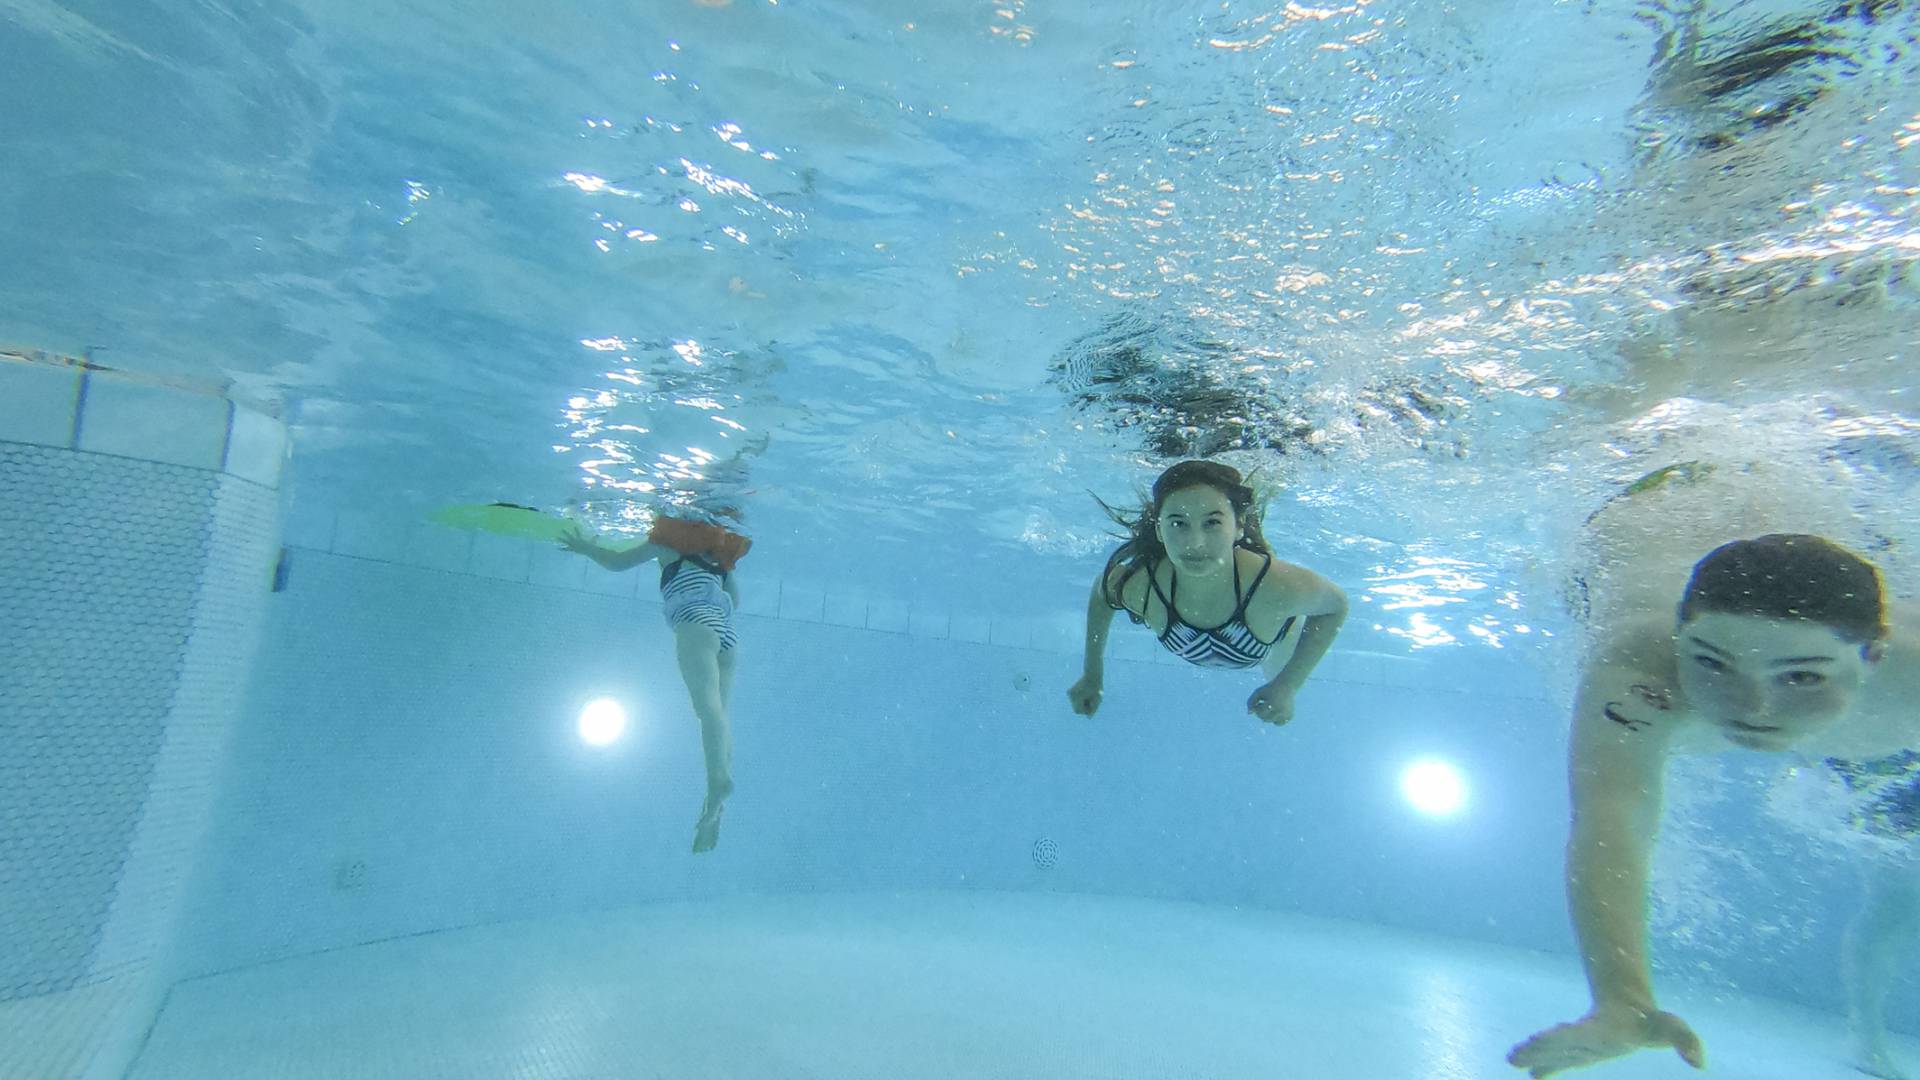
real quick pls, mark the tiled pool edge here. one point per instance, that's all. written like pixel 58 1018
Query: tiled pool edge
pixel 71 403
pixel 435 548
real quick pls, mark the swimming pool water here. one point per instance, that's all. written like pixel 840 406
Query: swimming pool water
pixel 904 287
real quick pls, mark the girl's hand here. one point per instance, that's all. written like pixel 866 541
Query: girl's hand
pixel 1085 695
pixel 1272 703
pixel 578 542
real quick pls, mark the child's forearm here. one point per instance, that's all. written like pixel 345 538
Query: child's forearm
pixel 618 559
pixel 1607 895
pixel 1316 637
pixel 1616 775
pixel 1099 621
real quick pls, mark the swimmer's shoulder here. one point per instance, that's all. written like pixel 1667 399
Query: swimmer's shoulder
pixel 1641 647
pixel 1629 687
pixel 1280 580
pixel 1125 583
pixel 1285 589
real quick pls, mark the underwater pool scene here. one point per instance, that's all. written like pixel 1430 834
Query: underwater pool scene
pixel 1002 539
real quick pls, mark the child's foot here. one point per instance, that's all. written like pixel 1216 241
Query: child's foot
pixel 706 832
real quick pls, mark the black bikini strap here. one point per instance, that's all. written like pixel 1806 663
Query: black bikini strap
pixel 1240 611
pixel 1165 598
pixel 1113 594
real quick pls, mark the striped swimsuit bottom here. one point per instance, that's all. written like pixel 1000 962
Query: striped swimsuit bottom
pixel 695 594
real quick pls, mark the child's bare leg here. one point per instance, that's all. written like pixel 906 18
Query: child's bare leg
pixel 725 660
pixel 698 648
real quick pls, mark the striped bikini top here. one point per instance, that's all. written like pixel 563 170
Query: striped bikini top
pixel 1232 644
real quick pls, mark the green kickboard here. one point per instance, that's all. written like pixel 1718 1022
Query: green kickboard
pixel 504 519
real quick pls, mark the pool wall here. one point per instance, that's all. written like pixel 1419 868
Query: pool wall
pixel 411 764
pixel 136 552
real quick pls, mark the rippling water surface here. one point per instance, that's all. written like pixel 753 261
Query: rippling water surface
pixel 905 288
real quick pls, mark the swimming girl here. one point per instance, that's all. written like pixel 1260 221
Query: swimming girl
pixel 1782 644
pixel 1197 571
pixel 697 589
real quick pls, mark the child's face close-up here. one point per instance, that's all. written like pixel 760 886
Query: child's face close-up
pixel 1198 527
pixel 1765 682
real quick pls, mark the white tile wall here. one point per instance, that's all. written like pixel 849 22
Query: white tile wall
pixel 759 597
pixel 421 723
pixel 888 613
pixel 625 584
pixel 844 609
pixel 58 401
pixel 802 601
pixel 1061 632
pixel 438 548
pixel 501 557
pixel 970 627
pixel 122 793
pixel 37 401
pixel 371 534
pixel 1122 645
pixel 1013 633
pixel 121 664
pixel 308 526
pixel 554 568
pixel 222 633
pixel 934 625
pixel 132 417
pixel 257 448
pixel 379 535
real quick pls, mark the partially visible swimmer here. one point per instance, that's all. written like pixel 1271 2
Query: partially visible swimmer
pixel 1884 931
pixel 1197 571
pixel 1782 644
pixel 698 591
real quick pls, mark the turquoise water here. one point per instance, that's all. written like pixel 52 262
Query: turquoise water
pixel 905 287
pixel 1442 254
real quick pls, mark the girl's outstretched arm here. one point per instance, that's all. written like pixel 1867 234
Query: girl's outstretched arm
pixel 580 543
pixel 1085 694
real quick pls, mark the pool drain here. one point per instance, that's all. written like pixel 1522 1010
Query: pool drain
pixel 1045 853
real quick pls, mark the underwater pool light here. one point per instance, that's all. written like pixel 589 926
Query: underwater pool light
pixel 602 721
pixel 1434 787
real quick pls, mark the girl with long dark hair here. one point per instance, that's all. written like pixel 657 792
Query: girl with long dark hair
pixel 1196 570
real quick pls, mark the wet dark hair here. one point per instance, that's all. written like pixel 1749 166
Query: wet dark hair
pixel 1142 545
pixel 1790 576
